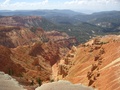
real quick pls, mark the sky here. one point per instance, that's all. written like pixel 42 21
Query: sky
pixel 77 5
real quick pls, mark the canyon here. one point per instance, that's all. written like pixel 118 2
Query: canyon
pixel 95 63
pixel 28 53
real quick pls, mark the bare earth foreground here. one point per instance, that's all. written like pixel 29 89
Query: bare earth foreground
pixel 63 85
pixel 8 83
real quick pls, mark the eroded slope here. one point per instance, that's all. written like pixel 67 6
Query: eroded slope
pixel 95 63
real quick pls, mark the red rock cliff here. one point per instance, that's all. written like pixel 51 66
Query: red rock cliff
pixel 95 63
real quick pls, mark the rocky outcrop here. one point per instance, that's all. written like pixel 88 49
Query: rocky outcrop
pixel 61 68
pixel 6 63
pixel 61 38
pixel 63 85
pixel 13 36
pixel 8 83
pixel 24 21
pixel 36 59
pixel 49 51
pixel 20 62
pixel 30 62
pixel 25 30
pixel 19 36
pixel 27 52
pixel 95 64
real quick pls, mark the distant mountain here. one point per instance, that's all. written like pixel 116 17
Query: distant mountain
pixel 82 26
pixel 87 17
pixel 45 13
pixel 108 23
pixel 5 10
pixel 24 30
pixel 82 31
pixel 26 21
pixel 100 23
pixel 56 16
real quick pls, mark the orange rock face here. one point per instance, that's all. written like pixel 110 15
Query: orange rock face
pixel 24 21
pixel 25 30
pixel 94 64
pixel 28 52
pixel 31 54
pixel 17 36
pixel 36 59
pixel 6 63
pixel 29 62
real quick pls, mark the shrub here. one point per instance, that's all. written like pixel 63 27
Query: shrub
pixel 32 82
pixel 10 71
pixel 39 81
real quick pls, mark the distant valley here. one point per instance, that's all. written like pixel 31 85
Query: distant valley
pixel 43 46
pixel 82 26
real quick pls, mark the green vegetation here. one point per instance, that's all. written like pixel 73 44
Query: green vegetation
pixel 82 26
pixel 104 42
pixel 51 80
pixel 10 71
pixel 33 29
pixel 20 75
pixel 32 82
pixel 39 81
pixel 82 31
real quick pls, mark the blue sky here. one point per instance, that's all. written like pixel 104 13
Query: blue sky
pixel 81 5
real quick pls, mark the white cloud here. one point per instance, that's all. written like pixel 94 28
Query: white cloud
pixel 92 5
pixel 95 5
pixel 6 2
pixel 23 5
pixel 79 2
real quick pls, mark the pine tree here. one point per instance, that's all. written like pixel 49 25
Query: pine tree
pixel 39 81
